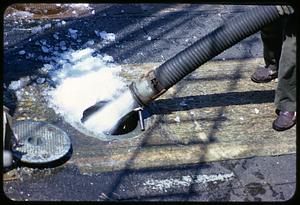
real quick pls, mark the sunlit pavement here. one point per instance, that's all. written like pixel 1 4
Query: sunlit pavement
pixel 210 138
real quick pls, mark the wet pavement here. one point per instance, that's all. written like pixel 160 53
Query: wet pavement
pixel 208 139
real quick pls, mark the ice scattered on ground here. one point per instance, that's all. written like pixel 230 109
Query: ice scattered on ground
pixel 16 85
pixel 185 181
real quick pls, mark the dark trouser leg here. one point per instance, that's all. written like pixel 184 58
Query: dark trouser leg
pixel 285 96
pixel 272 37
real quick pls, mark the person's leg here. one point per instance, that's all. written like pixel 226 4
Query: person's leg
pixel 272 37
pixel 285 95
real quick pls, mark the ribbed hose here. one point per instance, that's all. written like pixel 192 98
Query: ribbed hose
pixel 225 36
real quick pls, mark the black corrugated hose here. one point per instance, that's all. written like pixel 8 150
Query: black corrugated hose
pixel 225 36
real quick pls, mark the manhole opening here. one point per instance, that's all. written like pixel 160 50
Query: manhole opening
pixel 125 125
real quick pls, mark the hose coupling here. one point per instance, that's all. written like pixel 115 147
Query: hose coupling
pixel 146 89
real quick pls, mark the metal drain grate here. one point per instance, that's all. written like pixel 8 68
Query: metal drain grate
pixel 42 142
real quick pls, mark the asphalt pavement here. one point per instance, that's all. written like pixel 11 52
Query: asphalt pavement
pixel 145 34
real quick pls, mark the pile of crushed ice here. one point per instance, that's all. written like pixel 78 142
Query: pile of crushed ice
pixel 80 78
pixel 83 79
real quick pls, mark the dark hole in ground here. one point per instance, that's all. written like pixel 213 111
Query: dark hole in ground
pixel 125 125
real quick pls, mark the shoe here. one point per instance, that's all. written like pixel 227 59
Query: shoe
pixel 264 74
pixel 284 121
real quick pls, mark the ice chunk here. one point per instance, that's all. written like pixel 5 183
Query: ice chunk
pixel 73 33
pixel 149 38
pixel 256 110
pixel 183 103
pixel 46 68
pixel 22 52
pixel 62 43
pixel 55 35
pixel 43 42
pixel 177 119
pixel 106 36
pixel 108 58
pixel 90 43
pixel 97 33
pixel 45 49
pixel 81 54
pixel 48 25
pixel 16 85
pixel 40 80
pixel 36 29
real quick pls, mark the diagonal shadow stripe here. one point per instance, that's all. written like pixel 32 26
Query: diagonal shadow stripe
pixel 167 106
